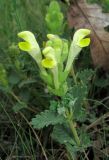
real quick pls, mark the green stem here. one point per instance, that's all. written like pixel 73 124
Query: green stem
pixel 72 127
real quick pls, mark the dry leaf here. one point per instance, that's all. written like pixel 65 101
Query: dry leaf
pixel 83 15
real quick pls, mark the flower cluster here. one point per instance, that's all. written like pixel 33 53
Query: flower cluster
pixel 56 58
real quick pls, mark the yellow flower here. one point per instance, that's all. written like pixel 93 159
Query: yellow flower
pixel 49 61
pixel 79 37
pixel 52 36
pixel 79 41
pixel 30 45
pixel 57 43
pixel 48 50
pixel 30 41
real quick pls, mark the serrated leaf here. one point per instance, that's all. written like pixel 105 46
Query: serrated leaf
pixel 101 82
pixel 71 150
pixel 53 105
pixel 85 139
pixel 47 118
pixel 74 100
pixel 61 110
pixel 62 135
pixel 85 75
pixel 80 115
pixel 79 92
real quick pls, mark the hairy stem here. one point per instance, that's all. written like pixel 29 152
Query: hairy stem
pixel 73 129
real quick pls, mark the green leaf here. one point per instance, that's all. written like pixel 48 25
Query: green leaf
pixel 62 135
pixel 61 110
pixel 101 82
pixel 74 150
pixel 18 106
pixel 26 82
pixel 76 99
pixel 85 75
pixel 71 150
pixel 85 139
pixel 14 78
pixel 47 118
pixel 79 91
pixel 81 115
pixel 53 105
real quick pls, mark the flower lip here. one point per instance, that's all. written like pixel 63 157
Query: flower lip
pixel 29 43
pixel 48 62
pixel 26 35
pixel 51 36
pixel 48 50
pixel 84 42
pixel 25 46
pixel 79 37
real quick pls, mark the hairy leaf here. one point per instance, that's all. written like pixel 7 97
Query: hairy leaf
pixel 71 150
pixel 79 92
pixel 62 135
pixel 85 75
pixel 85 139
pixel 46 118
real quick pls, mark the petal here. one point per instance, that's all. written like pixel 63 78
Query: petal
pixel 57 43
pixel 48 50
pixel 30 38
pixel 48 63
pixel 51 36
pixel 49 43
pixel 84 42
pixel 80 35
pixel 25 46
pixel 27 36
